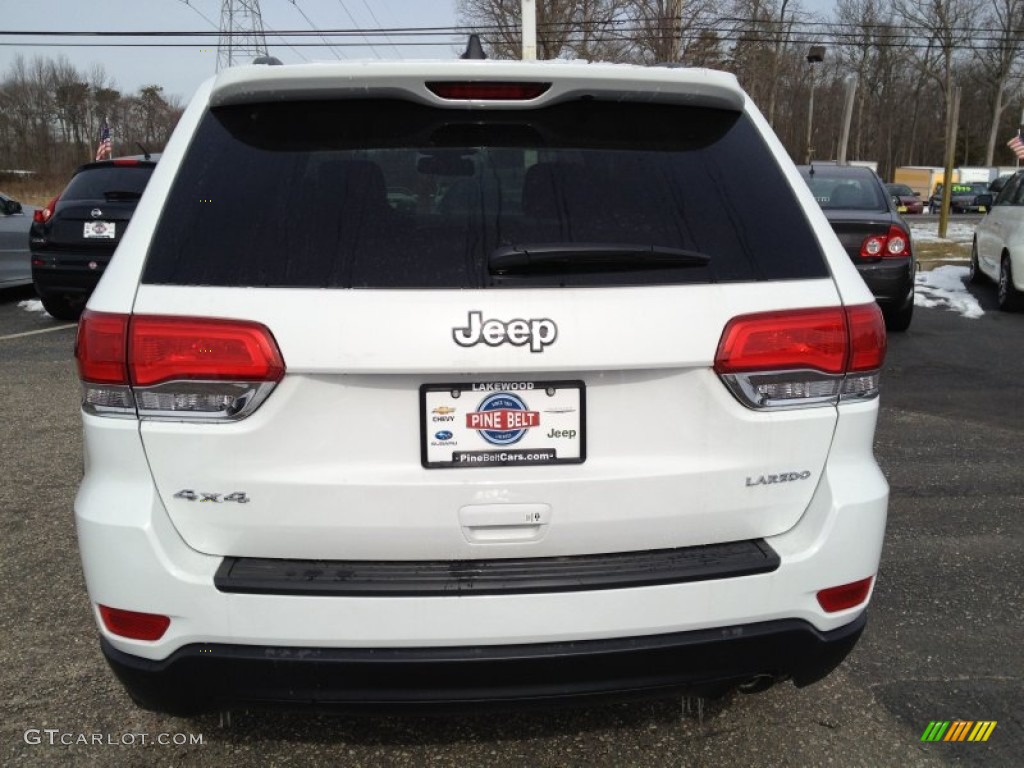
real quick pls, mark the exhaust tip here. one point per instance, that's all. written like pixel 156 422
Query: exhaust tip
pixel 757 684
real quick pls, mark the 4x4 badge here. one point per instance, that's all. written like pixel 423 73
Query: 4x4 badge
pixel 217 498
pixel 538 333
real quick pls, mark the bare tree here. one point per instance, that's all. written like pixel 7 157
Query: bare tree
pixel 1000 58
pixel 664 31
pixel 565 28
pixel 764 57
pixel 946 26
pixel 50 115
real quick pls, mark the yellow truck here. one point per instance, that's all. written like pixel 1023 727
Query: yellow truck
pixel 924 178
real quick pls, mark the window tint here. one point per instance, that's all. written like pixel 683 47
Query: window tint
pixel 1009 190
pixel 1018 195
pixel 99 183
pixel 844 191
pixel 393 194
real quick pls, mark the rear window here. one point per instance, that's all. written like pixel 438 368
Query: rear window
pixel 125 182
pixel 388 194
pixel 845 192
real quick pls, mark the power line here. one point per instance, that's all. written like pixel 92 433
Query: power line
pixel 241 33
pixel 890 36
pixel 310 22
pixel 377 22
pixel 462 29
pixel 356 25
pixel 268 29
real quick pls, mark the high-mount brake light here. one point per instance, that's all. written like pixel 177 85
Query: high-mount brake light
pixel 42 215
pixel 487 91
pixel 893 244
pixel 134 625
pixel 180 368
pixel 125 161
pixel 801 358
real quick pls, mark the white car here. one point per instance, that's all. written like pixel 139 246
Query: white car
pixel 592 415
pixel 998 249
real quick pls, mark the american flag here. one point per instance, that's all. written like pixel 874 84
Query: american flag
pixel 104 150
pixel 1017 145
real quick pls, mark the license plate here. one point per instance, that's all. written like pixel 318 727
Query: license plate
pixel 981 209
pixel 99 229
pixel 902 209
pixel 502 424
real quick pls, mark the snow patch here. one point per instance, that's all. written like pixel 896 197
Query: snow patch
pixel 944 288
pixel 31 305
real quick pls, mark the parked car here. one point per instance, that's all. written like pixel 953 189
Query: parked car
pixel 607 431
pixel 964 198
pixel 998 247
pixel 15 262
pixel 996 185
pixel 875 236
pixel 909 200
pixel 74 237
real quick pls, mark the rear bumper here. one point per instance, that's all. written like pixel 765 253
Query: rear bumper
pixel 65 274
pixel 199 678
pixel 637 640
pixel 891 281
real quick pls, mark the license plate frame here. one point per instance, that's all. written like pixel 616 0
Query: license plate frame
pixel 488 423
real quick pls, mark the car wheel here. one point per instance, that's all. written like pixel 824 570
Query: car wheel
pixel 1010 299
pixel 63 308
pixel 898 320
pixel 974 276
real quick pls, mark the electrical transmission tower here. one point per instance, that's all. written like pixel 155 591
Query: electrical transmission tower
pixel 241 33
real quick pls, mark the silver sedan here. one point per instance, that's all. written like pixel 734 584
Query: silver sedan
pixel 15 259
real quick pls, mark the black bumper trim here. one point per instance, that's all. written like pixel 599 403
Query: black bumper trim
pixel 620 570
pixel 199 678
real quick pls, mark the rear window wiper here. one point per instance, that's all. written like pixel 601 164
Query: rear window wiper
pixel 122 194
pixel 589 257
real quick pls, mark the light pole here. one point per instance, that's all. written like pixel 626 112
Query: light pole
pixel 814 56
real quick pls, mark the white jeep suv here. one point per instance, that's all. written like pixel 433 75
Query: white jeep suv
pixel 476 382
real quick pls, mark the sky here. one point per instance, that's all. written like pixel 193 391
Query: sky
pixel 180 70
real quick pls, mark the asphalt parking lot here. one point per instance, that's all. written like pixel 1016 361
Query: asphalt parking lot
pixel 943 642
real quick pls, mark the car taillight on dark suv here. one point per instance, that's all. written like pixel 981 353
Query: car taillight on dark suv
pixel 182 368
pixel 42 215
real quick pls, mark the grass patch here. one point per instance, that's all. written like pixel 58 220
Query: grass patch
pixel 942 250
pixel 33 190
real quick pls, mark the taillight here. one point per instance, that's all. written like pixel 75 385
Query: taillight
pixel 179 368
pixel 488 91
pixel 42 215
pixel 800 358
pixel 845 595
pixel 134 624
pixel 176 348
pixel 895 243
pixel 100 351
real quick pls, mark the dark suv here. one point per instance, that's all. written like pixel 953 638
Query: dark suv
pixel 74 236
